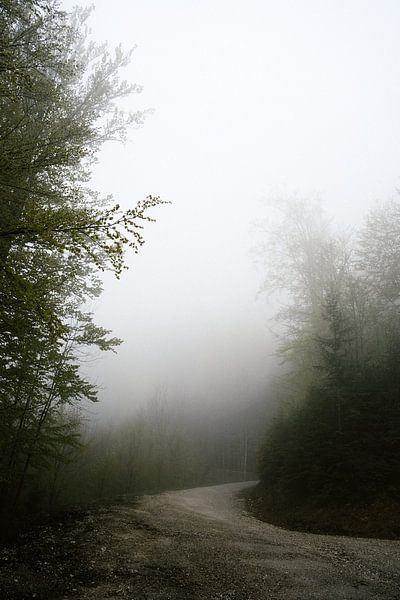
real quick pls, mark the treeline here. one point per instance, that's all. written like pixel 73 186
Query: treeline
pixel 165 445
pixel 58 105
pixel 335 438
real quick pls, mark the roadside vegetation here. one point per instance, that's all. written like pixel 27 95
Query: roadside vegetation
pixel 59 96
pixel 161 447
pixel 330 459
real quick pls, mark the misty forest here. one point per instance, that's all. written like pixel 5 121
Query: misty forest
pixel 300 426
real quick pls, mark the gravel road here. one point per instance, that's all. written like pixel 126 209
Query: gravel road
pixel 201 544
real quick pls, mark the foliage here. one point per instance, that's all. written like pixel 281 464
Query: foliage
pixel 166 444
pixel 339 440
pixel 59 96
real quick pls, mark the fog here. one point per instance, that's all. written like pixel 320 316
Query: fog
pixel 254 337
pixel 250 99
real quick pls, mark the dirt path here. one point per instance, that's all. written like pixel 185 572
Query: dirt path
pixel 200 544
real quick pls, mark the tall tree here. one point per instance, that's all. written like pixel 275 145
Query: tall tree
pixel 59 98
pixel 339 441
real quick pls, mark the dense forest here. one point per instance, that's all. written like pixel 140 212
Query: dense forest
pixel 163 446
pixel 334 441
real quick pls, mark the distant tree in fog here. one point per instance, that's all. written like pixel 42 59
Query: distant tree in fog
pixel 338 438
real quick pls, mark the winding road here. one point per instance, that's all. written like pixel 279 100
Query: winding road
pixel 201 544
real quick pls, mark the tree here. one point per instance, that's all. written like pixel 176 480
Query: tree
pixel 303 260
pixel 39 371
pixel 58 99
pixel 335 351
pixel 58 103
pixel 339 441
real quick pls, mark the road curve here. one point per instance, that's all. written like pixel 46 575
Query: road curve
pixel 201 544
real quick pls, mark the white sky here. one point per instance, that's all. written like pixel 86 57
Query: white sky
pixel 249 97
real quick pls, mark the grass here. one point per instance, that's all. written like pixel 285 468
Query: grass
pixel 378 518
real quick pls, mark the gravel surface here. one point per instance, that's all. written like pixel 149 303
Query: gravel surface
pixel 201 544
